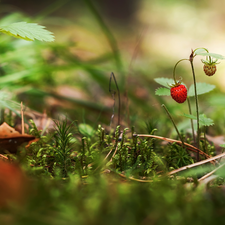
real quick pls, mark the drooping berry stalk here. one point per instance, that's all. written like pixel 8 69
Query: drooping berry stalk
pixel 178 91
pixel 174 69
pixel 196 101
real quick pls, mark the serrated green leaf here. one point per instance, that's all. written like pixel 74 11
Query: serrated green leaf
pixel 202 88
pixel 190 116
pixel 162 91
pixel 199 51
pixel 203 120
pixel 214 55
pixel 28 31
pixel 222 145
pixel 164 81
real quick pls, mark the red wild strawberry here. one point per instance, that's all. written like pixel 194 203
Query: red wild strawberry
pixel 179 93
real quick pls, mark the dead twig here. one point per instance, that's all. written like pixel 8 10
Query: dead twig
pixel 188 146
pixel 22 117
pixel 3 157
pixel 197 164
pixel 210 173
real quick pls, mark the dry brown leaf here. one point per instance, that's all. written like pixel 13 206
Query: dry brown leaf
pixel 10 139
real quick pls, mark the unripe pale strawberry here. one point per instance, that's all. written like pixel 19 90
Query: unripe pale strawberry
pixel 209 69
pixel 209 66
pixel 179 93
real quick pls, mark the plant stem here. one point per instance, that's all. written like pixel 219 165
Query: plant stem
pixel 196 101
pixel 83 155
pixel 178 133
pixel 192 125
pixel 2 115
pixel 113 92
pixel 205 140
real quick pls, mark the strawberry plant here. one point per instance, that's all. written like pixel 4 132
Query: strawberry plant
pixel 179 91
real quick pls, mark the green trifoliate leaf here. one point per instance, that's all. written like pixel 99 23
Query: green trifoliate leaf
pixel 202 88
pixel 162 91
pixel 203 120
pixel 164 81
pixel 28 31
pixel 222 145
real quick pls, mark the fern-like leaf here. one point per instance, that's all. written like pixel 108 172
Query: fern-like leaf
pixel 28 31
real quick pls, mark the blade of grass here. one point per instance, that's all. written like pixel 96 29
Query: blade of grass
pixel 111 39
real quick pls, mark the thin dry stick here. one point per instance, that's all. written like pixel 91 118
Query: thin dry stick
pixel 197 164
pixel 22 117
pixel 212 172
pixel 184 168
pixel 108 155
pixel 4 157
pixel 134 179
pixel 114 153
pixel 188 146
pixel 46 126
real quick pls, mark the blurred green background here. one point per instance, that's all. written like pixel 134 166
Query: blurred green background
pixel 137 40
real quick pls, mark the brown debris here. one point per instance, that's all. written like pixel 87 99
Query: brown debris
pixel 13 184
pixel 10 139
